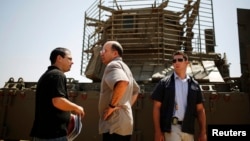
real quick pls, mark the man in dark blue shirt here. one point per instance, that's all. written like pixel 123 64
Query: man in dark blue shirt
pixel 177 102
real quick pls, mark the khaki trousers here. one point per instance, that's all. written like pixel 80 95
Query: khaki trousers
pixel 178 135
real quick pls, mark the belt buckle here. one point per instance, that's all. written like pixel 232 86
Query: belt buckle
pixel 175 121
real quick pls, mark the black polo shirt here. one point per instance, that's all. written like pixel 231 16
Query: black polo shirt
pixel 50 122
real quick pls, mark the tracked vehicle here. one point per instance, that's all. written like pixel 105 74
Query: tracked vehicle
pixel 149 31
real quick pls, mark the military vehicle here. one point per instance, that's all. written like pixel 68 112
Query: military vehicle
pixel 149 31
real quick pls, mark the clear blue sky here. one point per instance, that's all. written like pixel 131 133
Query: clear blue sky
pixel 30 29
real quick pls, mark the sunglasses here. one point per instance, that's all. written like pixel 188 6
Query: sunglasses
pixel 179 60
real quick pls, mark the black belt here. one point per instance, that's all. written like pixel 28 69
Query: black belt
pixel 175 121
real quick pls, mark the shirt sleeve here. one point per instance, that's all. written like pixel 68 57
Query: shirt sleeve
pixel 60 86
pixel 158 92
pixel 114 73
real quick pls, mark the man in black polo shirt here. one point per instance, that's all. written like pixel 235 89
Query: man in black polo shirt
pixel 52 107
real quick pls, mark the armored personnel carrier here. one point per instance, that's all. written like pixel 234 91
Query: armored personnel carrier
pixel 149 31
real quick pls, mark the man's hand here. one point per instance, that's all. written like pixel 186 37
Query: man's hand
pixel 108 112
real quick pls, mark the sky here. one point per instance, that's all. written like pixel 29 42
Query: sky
pixel 31 29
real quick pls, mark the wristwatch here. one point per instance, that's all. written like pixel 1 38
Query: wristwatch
pixel 111 106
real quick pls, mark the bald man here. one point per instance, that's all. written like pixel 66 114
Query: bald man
pixel 118 93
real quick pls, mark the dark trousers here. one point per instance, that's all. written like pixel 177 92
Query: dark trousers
pixel 54 139
pixel 115 137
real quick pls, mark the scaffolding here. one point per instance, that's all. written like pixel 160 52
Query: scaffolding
pixel 149 30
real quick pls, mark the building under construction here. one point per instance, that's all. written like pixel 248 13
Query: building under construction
pixel 149 31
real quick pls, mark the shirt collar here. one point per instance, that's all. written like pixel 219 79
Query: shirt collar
pixel 118 59
pixel 177 77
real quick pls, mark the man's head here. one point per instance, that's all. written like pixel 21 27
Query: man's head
pixel 111 50
pixel 180 61
pixel 61 58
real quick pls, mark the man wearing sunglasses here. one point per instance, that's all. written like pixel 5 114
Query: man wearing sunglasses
pixel 177 102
